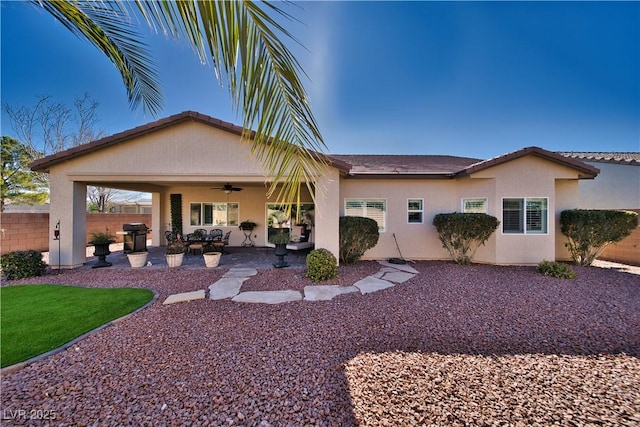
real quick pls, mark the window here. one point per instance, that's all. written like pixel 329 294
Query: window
pixel 218 214
pixel 368 208
pixel 415 211
pixel 525 216
pixel 474 205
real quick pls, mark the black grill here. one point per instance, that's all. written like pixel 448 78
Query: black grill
pixel 135 237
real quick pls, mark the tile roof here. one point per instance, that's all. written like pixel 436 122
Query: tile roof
pixel 391 164
pixel 447 166
pixel 354 165
pixel 586 171
pixel 627 158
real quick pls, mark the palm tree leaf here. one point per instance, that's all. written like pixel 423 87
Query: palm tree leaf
pixel 108 27
pixel 244 45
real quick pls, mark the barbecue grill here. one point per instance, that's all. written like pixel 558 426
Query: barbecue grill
pixel 135 237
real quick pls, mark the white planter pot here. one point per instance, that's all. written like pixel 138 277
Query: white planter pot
pixel 212 259
pixel 138 259
pixel 174 260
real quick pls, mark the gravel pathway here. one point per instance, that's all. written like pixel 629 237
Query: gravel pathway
pixel 476 345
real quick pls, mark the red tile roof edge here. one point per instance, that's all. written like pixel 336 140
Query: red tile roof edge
pixel 586 170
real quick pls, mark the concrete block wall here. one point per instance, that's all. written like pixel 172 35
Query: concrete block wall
pixel 627 251
pixel 23 231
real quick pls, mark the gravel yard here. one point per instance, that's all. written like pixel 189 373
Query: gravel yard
pixel 476 345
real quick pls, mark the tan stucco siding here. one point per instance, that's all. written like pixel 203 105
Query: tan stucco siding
pixel 617 186
pixel 187 151
pixel 416 241
pixel 530 177
pixel 521 178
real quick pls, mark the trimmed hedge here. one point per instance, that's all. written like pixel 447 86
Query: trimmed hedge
pixel 321 265
pixel 357 234
pixel 462 233
pixel 21 264
pixel 589 231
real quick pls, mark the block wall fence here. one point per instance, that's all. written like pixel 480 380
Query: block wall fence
pixel 22 231
pixel 626 251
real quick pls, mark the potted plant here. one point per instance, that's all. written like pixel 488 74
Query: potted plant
pixel 246 227
pixel 138 259
pixel 101 241
pixel 280 240
pixel 175 253
pixel 212 258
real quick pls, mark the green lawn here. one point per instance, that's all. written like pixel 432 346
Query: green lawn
pixel 37 318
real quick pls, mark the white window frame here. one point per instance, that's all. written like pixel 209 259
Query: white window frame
pixel 381 228
pixel 202 223
pixel 413 211
pixel 524 214
pixel 484 199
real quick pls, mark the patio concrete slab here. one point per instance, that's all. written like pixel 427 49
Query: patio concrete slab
pixel 227 287
pixel 240 272
pixel 397 276
pixel 372 284
pixel 402 267
pixel 186 296
pixel 326 292
pixel 268 297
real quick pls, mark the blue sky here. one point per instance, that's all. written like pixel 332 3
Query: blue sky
pixel 462 78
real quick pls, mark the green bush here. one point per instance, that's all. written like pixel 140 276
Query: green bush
pixel 357 234
pixel 556 269
pixel 590 231
pixel 21 264
pixel 321 265
pixel 462 233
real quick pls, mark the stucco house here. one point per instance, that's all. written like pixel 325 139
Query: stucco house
pixel 195 155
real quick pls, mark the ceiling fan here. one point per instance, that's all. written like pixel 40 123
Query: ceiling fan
pixel 228 188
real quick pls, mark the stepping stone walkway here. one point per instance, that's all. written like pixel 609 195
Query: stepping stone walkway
pixel 229 287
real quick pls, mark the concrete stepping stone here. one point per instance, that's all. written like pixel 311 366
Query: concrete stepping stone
pixel 186 296
pixel 240 272
pixel 326 292
pixel 372 284
pixel 397 276
pixel 227 287
pixel 402 267
pixel 268 297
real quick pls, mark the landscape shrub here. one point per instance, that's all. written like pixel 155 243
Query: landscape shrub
pixel 357 234
pixel 462 233
pixel 321 265
pixel 556 269
pixel 21 264
pixel 590 231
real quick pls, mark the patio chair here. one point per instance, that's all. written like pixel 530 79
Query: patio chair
pixel 221 243
pixel 215 234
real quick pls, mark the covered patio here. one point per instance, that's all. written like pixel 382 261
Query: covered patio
pixel 260 258
pixel 188 155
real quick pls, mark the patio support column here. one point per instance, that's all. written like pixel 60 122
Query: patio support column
pixel 327 213
pixel 68 205
pixel 156 220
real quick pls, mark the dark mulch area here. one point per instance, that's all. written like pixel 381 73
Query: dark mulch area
pixel 455 345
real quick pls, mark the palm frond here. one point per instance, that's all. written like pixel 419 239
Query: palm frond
pixel 107 26
pixel 245 46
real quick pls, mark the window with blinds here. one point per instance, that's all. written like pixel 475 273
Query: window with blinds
pixel 368 208
pixel 474 205
pixel 525 216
